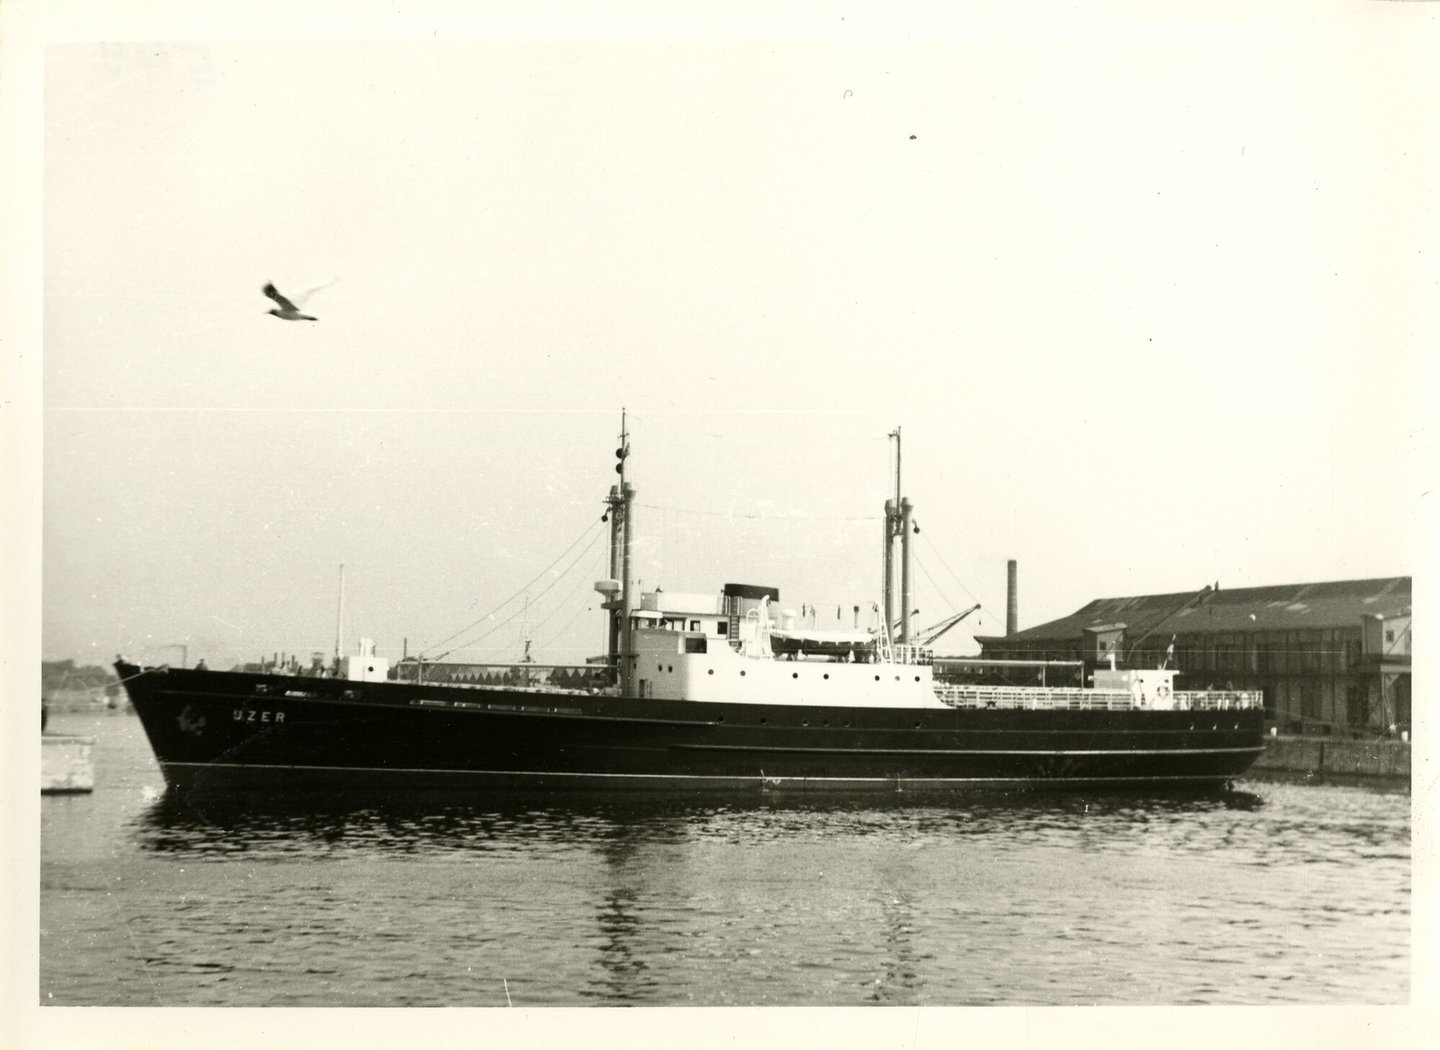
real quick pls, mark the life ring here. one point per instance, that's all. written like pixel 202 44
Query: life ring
pixel 1162 693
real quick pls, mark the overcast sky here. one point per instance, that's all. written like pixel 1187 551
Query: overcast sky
pixel 1143 290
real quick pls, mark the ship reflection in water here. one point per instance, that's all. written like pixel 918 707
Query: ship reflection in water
pixel 437 822
pixel 778 900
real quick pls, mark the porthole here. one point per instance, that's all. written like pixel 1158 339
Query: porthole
pixel 804 721
pixel 670 669
pixel 827 678
pixel 711 671
pixel 826 722
pixel 917 678
pixel 877 678
pixel 794 674
pixel 742 674
pixel 762 721
pixel 847 723
pixel 720 718
pixel 917 725
pixel 659 668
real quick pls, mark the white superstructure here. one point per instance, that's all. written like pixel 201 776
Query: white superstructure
pixel 668 665
pixel 671 661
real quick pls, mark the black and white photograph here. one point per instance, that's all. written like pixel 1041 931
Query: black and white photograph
pixel 786 525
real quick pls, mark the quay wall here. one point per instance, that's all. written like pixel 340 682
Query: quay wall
pixel 1318 757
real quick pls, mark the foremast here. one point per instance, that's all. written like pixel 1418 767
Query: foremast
pixel 619 588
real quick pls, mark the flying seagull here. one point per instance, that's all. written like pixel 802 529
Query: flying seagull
pixel 290 311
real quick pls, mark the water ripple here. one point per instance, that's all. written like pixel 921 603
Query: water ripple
pixel 1275 894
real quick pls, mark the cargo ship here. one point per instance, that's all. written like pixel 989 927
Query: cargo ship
pixel 694 692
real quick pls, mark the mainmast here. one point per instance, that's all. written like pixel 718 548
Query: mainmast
pixel 898 514
pixel 892 507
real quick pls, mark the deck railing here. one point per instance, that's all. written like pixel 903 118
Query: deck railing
pixel 1219 700
pixel 911 654
pixel 1015 697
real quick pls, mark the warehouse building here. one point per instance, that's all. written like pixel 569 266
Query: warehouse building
pixel 1329 657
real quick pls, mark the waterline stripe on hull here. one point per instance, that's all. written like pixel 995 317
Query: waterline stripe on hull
pixel 696 776
pixel 1038 752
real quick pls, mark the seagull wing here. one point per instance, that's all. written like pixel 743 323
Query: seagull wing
pixel 308 292
pixel 284 304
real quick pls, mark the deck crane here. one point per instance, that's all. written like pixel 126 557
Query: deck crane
pixel 934 631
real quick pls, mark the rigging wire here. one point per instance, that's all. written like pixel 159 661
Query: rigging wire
pixel 939 591
pixel 566 601
pixel 518 593
pixel 934 550
pixel 479 638
pixel 756 517
pixel 509 619
pixel 954 609
pixel 574 616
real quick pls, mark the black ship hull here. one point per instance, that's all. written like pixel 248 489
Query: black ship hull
pixel 218 730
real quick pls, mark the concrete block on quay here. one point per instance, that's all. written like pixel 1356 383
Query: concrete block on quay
pixel 65 764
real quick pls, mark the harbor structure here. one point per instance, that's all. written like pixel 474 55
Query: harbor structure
pixel 66 686
pixel 1329 657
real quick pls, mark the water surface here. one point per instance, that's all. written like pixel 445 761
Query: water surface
pixel 1274 893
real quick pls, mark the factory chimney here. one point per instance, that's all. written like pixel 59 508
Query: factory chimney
pixel 1012 600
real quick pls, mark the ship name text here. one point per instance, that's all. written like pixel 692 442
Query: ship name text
pixel 251 715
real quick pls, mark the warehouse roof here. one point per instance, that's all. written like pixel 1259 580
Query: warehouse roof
pixel 1339 603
